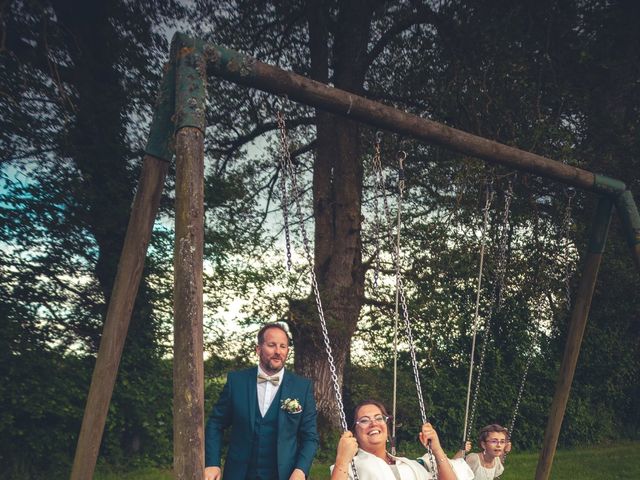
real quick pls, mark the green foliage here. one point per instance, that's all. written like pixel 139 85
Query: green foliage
pixel 558 78
pixel 42 399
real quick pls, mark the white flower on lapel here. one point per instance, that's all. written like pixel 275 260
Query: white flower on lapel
pixel 291 405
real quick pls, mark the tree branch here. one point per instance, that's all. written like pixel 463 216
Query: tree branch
pixel 241 140
pixel 424 14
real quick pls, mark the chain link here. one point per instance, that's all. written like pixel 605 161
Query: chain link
pixel 287 166
pixel 566 226
pixel 532 349
pixel 377 165
pixel 284 152
pixel 496 299
pixel 400 293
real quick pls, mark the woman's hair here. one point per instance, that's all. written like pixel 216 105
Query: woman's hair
pixel 369 401
pixel 493 428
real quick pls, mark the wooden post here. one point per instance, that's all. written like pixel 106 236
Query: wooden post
pixel 628 211
pixel 577 325
pixel 188 367
pixel 188 370
pixel 127 281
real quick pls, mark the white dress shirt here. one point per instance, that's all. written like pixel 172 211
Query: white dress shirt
pixel 267 390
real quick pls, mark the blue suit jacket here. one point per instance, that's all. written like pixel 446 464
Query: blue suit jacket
pixel 236 407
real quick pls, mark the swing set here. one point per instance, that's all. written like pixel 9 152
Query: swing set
pixel 178 129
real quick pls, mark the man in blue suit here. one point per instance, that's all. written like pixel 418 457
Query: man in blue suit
pixel 272 414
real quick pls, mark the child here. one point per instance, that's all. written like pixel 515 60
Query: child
pixel 494 441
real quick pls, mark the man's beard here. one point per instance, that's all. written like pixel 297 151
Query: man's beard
pixel 274 367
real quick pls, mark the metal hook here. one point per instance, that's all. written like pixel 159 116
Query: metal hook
pixel 402 156
pixel 379 136
pixel 570 193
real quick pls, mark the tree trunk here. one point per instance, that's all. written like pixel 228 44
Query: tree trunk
pixel 104 192
pixel 337 201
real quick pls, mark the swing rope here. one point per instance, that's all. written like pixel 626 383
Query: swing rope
pixel 476 318
pixel 396 315
pixel 289 170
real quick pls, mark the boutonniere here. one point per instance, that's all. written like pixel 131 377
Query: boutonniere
pixel 291 405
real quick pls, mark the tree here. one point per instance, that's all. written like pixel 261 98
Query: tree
pixel 77 81
pixel 500 70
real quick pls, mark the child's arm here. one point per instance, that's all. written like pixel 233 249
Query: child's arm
pixel 461 453
pixel 507 447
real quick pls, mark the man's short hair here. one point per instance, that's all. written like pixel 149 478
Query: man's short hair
pixel 267 326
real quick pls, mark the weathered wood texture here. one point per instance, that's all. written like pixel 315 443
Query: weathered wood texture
pixel 250 72
pixel 577 326
pixel 188 370
pixel 125 289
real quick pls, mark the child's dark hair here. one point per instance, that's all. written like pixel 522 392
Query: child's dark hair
pixel 493 428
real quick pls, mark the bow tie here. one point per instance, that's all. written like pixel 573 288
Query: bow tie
pixel 275 380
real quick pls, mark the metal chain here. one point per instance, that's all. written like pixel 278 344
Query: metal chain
pixel 401 295
pixel 496 299
pixel 570 193
pixel 295 190
pixel 377 165
pixel 566 226
pixel 284 152
pixel 403 301
pixel 534 344
pixel 502 253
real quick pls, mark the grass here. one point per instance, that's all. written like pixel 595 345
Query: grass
pixel 620 461
pixel 144 474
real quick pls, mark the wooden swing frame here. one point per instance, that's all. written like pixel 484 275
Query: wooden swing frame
pixel 178 128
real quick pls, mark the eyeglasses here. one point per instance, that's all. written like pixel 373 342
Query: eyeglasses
pixel 494 441
pixel 366 421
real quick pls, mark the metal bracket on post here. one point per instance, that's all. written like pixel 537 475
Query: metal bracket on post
pixel 160 143
pixel 191 65
pixel 628 211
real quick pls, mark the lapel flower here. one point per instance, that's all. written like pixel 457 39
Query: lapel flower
pixel 291 405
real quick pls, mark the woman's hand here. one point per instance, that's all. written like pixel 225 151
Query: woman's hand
pixel 467 446
pixel 347 448
pixel 507 447
pixel 429 437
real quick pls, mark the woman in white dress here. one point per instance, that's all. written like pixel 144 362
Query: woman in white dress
pixel 368 450
pixel 494 441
